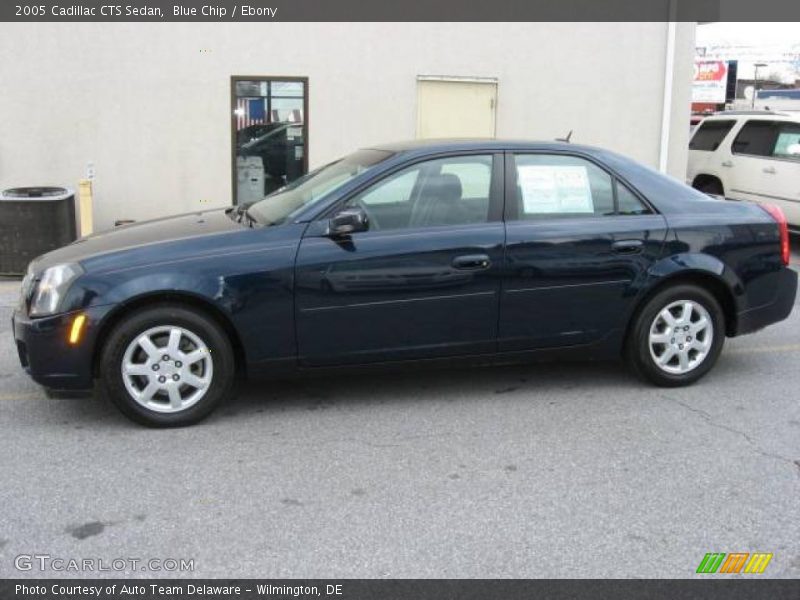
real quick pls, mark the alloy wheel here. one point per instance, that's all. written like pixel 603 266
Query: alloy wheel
pixel 681 337
pixel 167 369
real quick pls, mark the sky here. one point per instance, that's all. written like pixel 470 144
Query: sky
pixel 760 34
pixel 776 44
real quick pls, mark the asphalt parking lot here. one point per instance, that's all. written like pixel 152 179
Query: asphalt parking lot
pixel 558 470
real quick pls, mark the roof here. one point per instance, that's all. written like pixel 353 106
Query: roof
pixel 467 144
pixel 755 114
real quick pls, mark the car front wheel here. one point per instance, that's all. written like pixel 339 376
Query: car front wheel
pixel 167 366
pixel 677 337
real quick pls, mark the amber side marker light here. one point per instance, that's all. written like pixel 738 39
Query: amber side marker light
pixel 76 331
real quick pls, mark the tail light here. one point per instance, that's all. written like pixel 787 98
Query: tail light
pixel 783 228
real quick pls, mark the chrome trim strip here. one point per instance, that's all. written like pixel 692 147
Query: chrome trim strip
pixel 568 285
pixel 402 301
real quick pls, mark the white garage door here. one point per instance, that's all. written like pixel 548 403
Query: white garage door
pixel 449 108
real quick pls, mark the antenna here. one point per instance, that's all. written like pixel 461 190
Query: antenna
pixel 565 139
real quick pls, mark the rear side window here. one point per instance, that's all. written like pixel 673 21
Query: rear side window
pixel 756 138
pixel 787 145
pixel 628 203
pixel 710 134
pixel 557 186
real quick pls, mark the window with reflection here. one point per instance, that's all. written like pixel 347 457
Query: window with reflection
pixel 270 135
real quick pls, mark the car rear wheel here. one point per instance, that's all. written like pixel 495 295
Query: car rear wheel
pixel 677 337
pixel 167 366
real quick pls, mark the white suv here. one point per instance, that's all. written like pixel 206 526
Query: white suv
pixel 749 156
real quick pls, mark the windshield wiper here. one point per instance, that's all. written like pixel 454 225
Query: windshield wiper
pixel 240 213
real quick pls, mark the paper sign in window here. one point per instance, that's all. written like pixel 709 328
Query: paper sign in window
pixel 555 189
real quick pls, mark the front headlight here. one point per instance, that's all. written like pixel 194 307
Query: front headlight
pixel 52 287
pixel 25 288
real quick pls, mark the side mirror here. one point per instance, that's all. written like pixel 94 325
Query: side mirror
pixel 347 221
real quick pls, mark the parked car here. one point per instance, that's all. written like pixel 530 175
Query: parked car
pixel 751 155
pixel 476 251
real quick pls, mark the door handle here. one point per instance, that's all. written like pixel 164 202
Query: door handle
pixel 727 163
pixel 770 170
pixel 472 262
pixel 627 246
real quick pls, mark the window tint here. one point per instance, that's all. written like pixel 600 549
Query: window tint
pixel 558 186
pixel 396 188
pixel 303 192
pixel 788 143
pixel 756 138
pixel 447 191
pixel 710 134
pixel 475 177
pixel 628 203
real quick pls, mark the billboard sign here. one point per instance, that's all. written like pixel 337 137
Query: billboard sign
pixel 710 81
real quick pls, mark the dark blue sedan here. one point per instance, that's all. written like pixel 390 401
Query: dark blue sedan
pixel 422 252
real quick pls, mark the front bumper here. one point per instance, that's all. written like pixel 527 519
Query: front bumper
pixel 757 318
pixel 46 354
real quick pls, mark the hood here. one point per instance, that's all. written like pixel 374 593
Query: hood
pixel 141 235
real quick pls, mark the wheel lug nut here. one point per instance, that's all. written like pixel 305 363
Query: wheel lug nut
pixel 686 328
pixel 176 377
pixel 162 379
pixel 688 338
pixel 165 357
pixel 178 364
pixel 680 346
pixel 156 367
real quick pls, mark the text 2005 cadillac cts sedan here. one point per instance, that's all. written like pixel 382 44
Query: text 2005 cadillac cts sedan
pixel 408 253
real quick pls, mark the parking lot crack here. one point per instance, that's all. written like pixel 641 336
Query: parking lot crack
pixel 709 419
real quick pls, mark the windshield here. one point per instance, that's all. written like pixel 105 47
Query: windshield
pixel 284 202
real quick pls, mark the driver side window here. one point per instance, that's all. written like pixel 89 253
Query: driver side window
pixel 395 190
pixel 447 191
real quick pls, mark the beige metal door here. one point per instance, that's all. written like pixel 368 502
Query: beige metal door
pixel 449 108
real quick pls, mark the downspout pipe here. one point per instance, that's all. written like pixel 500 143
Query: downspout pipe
pixel 669 75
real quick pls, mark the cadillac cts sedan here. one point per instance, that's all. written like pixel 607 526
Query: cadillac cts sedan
pixel 410 253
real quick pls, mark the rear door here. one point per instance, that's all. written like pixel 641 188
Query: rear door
pixel 782 175
pixel 766 165
pixel 578 242
pixel 749 161
pixel 422 282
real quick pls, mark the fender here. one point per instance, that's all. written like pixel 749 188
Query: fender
pixel 255 300
pixel 696 264
pixel 129 288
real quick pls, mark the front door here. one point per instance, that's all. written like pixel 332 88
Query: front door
pixel 577 240
pixel 422 282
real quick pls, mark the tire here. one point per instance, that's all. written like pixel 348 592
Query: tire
pixel 173 390
pixel 711 186
pixel 701 347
